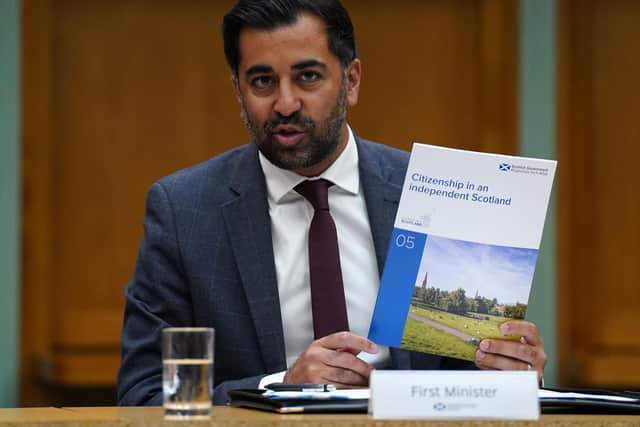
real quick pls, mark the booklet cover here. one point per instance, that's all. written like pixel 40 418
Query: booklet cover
pixel 463 249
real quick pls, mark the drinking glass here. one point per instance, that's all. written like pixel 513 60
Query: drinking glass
pixel 187 372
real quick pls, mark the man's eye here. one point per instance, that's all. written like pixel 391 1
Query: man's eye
pixel 262 82
pixel 309 76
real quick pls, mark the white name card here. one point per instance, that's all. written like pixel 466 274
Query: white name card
pixel 454 394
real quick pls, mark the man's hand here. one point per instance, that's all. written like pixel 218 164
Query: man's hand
pixel 526 354
pixel 333 360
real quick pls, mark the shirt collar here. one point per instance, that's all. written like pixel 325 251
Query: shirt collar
pixel 343 172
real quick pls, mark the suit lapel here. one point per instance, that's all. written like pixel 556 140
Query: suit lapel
pixel 381 195
pixel 249 229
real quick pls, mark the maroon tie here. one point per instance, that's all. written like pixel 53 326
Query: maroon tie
pixel 327 293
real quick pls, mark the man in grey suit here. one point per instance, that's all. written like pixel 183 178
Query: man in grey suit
pixel 225 241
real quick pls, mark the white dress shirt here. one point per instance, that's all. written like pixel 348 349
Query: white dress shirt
pixel 291 216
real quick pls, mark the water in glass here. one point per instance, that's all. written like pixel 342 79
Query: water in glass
pixel 188 387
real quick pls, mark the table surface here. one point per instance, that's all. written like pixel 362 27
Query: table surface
pixel 227 416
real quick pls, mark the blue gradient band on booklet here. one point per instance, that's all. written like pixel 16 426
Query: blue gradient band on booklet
pixel 396 287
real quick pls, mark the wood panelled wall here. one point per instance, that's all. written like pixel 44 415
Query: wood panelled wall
pixel 119 93
pixel 598 197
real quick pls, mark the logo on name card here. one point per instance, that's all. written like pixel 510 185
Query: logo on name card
pixel 505 167
pixel 439 406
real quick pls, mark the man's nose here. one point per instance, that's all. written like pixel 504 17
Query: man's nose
pixel 288 101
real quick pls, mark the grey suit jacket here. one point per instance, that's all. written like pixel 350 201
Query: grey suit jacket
pixel 206 259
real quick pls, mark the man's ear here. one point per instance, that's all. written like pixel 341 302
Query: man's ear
pixel 236 88
pixel 353 74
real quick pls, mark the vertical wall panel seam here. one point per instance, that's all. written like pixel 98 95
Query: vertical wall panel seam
pixel 9 200
pixel 537 139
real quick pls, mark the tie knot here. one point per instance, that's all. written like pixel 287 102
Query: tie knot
pixel 316 192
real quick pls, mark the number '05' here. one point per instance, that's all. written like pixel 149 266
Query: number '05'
pixel 403 241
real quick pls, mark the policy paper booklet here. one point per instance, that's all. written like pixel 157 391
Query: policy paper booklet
pixel 463 249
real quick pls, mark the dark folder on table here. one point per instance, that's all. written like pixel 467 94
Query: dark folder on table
pixel 565 401
pixel 589 401
pixel 253 398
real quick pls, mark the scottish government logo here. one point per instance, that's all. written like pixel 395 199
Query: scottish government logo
pixel 439 406
pixel 505 167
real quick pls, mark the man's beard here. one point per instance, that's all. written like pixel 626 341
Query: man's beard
pixel 321 139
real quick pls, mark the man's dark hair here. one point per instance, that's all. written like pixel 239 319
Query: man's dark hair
pixel 271 14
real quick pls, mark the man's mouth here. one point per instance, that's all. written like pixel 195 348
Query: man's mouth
pixel 288 135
